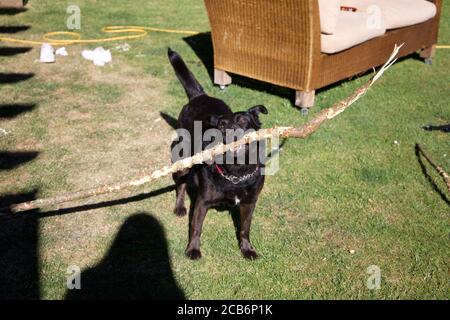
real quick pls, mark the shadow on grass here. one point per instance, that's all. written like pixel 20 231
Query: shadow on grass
pixel 9 111
pixel 12 159
pixel 12 51
pixel 137 266
pixel 19 247
pixel 19 235
pixel 203 48
pixel 429 178
pixel 13 29
pixel 18 240
pixel 9 78
pixel 109 203
pixel 443 128
pixel 11 11
pixel 202 45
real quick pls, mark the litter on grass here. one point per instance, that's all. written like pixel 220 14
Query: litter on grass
pixel 99 56
pixel 61 52
pixel 47 54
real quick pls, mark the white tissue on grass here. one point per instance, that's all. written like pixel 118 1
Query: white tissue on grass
pixel 99 56
pixel 87 54
pixel 62 52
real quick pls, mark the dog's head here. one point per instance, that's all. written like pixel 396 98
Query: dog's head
pixel 234 125
pixel 244 120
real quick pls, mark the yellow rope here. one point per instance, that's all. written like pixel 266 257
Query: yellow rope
pixel 138 31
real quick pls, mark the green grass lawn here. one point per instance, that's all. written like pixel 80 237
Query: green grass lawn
pixel 355 185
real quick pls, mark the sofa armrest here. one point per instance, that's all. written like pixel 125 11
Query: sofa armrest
pixel 436 20
pixel 273 41
pixel 438 4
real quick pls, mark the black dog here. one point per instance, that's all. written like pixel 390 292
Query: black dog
pixel 227 184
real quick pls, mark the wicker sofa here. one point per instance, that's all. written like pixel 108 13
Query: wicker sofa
pixel 279 42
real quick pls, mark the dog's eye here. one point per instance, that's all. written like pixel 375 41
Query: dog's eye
pixel 242 121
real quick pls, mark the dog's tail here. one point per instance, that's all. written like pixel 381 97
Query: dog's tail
pixel 187 79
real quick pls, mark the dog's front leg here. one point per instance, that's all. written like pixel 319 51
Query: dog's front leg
pixel 180 182
pixel 246 212
pixel 198 216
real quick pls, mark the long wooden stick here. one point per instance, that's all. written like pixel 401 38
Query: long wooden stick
pixel 439 169
pixel 209 154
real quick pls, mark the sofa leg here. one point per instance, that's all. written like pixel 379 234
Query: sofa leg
pixel 428 54
pixel 304 100
pixel 221 78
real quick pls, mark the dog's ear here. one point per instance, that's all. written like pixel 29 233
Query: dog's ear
pixel 254 113
pixel 256 110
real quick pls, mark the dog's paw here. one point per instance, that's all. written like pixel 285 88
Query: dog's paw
pixel 180 211
pixel 193 254
pixel 249 254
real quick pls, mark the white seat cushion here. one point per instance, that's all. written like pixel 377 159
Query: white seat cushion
pixel 397 13
pixel 329 11
pixel 402 13
pixel 352 29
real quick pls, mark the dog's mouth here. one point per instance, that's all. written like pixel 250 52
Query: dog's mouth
pixel 240 151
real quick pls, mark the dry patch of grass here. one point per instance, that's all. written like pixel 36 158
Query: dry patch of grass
pixel 104 121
